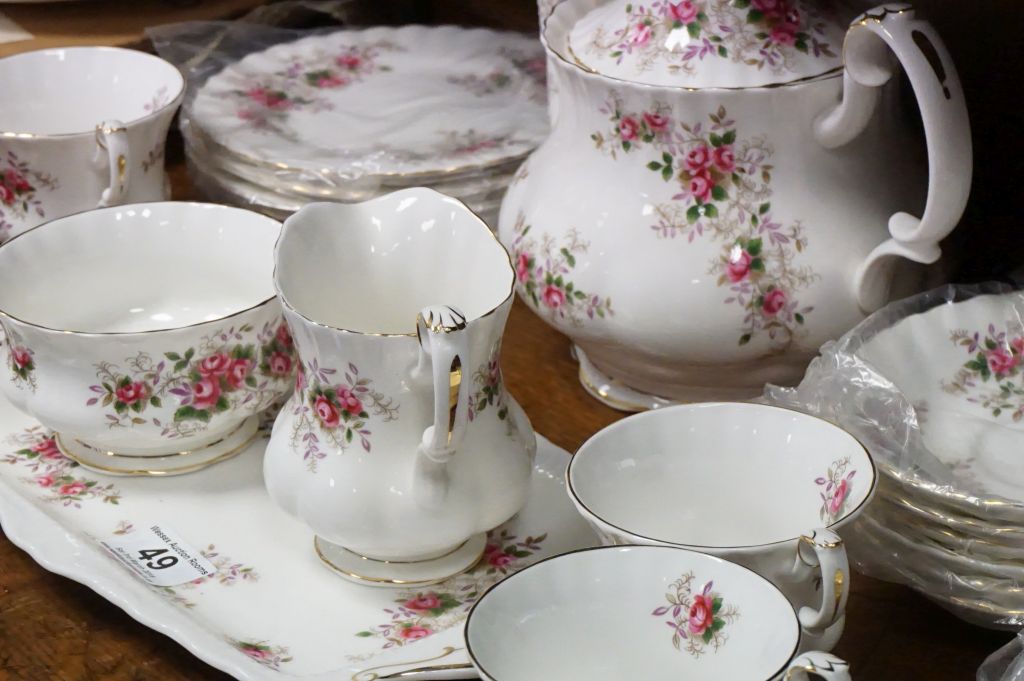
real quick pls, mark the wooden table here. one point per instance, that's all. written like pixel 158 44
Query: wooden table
pixel 54 629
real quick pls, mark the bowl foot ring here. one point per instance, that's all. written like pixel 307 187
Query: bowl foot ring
pixel 400 574
pixel 177 463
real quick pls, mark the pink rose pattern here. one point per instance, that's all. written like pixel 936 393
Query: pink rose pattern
pixel 993 376
pixel 20 360
pixel 266 101
pixel 19 187
pixel 231 368
pixel 835 490
pixel 698 620
pixel 54 476
pixel 262 652
pixel 722 188
pixel 418 614
pixel 336 412
pixel 762 33
pixel 489 393
pixel 543 276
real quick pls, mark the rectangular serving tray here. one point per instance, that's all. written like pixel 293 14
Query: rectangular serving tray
pixel 272 610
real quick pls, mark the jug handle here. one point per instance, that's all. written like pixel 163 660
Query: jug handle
pixel 923 55
pixel 112 137
pixel 824 665
pixel 824 549
pixel 441 331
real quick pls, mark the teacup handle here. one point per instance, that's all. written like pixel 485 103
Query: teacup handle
pixel 112 136
pixel 825 665
pixel 940 98
pixel 443 343
pixel 824 549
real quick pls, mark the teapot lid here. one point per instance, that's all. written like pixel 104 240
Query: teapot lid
pixel 706 43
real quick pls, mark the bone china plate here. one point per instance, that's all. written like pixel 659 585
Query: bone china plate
pixel 968 392
pixel 381 101
pixel 271 610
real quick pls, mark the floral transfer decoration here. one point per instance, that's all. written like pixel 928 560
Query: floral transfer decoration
pixel 265 102
pixel 677 36
pixel 544 275
pixel 335 412
pixel 20 187
pixel 723 192
pixel 20 360
pixel 230 369
pixel 835 488
pixel 520 63
pixel 419 614
pixel 55 476
pixel 992 376
pixel 263 652
pixel 698 620
pixel 488 388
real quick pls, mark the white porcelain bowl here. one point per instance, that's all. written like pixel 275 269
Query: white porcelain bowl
pixel 756 484
pixel 638 612
pixel 145 335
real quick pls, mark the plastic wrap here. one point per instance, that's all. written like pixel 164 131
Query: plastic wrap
pixel 933 386
pixel 1006 664
pixel 269 118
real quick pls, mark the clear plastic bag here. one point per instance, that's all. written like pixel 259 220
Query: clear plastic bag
pixel 1006 664
pixel 933 386
pixel 496 116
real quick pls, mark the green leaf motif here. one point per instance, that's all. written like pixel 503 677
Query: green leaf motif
pixel 692 214
pixel 718 193
pixel 729 137
pixel 716 140
pixel 693 28
pixel 754 246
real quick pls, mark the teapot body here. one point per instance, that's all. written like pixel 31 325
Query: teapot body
pixel 695 244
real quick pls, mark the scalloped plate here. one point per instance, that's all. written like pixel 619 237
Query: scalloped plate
pixel 381 101
pixel 968 392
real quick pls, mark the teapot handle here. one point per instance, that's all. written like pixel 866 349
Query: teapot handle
pixel 441 331
pixel 112 137
pixel 923 55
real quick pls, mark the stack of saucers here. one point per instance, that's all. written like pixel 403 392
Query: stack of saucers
pixel 354 114
pixel 947 430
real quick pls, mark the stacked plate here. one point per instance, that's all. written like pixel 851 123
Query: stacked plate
pixel 946 427
pixel 354 114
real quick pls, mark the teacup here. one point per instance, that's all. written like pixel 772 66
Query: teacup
pixel 82 127
pixel 147 336
pixel 763 486
pixel 639 612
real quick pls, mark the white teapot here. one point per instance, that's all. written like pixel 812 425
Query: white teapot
pixel 719 195
pixel 401 447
